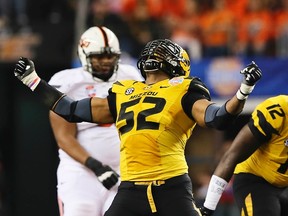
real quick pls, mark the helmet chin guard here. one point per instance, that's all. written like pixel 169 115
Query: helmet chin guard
pixel 164 55
pixel 98 41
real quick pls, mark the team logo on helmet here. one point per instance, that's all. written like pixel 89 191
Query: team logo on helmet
pixel 84 43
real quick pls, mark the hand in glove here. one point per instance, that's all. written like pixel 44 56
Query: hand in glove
pixel 25 72
pixel 252 74
pixel 107 176
pixel 205 211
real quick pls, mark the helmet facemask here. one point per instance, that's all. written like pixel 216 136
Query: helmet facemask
pixel 166 56
pixel 97 65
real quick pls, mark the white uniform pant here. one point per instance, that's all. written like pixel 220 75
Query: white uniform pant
pixel 80 193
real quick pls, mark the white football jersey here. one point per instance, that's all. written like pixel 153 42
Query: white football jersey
pixel 101 141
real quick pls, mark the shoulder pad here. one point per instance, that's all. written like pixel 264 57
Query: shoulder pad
pixel 198 86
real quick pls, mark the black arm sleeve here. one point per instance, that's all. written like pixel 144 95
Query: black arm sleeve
pixel 72 111
pixel 218 117
pixel 48 94
pixel 112 103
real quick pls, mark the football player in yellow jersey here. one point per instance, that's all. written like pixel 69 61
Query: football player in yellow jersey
pixel 259 158
pixel 154 119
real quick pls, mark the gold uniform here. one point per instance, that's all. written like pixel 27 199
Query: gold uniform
pixel 270 124
pixel 154 123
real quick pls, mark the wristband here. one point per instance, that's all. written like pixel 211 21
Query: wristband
pixel 32 80
pixel 244 91
pixel 92 163
pixel 216 187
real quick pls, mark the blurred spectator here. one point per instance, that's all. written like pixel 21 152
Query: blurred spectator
pixel 238 7
pixel 154 7
pixel 174 8
pixel 185 29
pixel 218 30
pixel 281 30
pixel 52 12
pixel 53 21
pixel 255 30
pixel 17 38
pixel 13 17
pixel 101 14
pixel 114 5
pixel 142 26
pixel 157 8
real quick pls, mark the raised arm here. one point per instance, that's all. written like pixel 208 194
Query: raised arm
pixel 89 110
pixel 209 114
pixel 251 75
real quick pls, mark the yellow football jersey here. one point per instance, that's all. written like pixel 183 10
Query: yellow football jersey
pixel 269 123
pixel 153 127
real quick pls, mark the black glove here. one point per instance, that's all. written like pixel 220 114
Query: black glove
pixel 107 176
pixel 23 68
pixel 205 211
pixel 25 72
pixel 252 74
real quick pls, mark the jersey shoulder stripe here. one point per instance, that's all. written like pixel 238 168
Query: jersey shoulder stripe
pixel 267 118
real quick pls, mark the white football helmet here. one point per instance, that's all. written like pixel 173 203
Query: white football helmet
pixel 98 41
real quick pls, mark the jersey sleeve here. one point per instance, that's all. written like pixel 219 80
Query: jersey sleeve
pixel 266 120
pixel 118 88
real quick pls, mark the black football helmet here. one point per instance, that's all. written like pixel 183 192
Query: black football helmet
pixel 164 55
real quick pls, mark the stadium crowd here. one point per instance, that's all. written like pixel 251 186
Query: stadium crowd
pixel 206 28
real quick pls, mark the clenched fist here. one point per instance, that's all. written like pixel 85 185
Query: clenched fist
pixel 105 174
pixel 25 72
pixel 252 74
